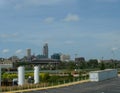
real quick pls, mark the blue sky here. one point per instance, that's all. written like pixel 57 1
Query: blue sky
pixel 88 28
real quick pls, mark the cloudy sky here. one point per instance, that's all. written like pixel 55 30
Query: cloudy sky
pixel 88 28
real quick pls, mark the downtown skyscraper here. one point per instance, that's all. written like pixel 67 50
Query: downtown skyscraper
pixel 28 54
pixel 45 50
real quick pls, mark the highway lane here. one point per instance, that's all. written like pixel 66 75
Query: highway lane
pixel 107 86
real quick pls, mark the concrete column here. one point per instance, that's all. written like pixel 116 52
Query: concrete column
pixel 36 74
pixel 21 75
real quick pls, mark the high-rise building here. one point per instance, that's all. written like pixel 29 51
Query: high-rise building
pixel 65 58
pixel 28 53
pixel 80 59
pixel 56 56
pixel 45 50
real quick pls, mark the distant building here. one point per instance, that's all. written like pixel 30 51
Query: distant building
pixel 40 56
pixel 80 59
pixel 45 50
pixel 14 58
pixel 45 61
pixel 64 57
pixel 6 61
pixel 56 56
pixel 28 54
pixel 107 61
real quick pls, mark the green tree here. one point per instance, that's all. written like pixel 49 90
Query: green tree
pixel 102 66
pixel 92 63
pixel 70 65
pixel 44 76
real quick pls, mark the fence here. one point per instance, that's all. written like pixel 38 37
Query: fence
pixel 41 85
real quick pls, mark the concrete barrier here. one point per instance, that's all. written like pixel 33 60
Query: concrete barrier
pixel 103 74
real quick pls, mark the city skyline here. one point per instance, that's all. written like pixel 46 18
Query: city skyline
pixel 88 28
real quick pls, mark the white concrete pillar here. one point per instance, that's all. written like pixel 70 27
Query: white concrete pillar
pixel 21 75
pixel 0 75
pixel 36 74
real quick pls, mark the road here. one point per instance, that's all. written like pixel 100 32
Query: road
pixel 107 86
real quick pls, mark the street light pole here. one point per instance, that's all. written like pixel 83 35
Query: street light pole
pixel 0 76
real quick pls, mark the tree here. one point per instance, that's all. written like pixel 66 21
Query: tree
pixel 102 66
pixel 70 65
pixel 93 63
pixel 44 76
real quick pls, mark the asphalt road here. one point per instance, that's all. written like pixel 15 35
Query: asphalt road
pixel 107 86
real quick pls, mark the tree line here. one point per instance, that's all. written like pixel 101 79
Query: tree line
pixel 90 64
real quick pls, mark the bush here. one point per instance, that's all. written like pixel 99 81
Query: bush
pixel 53 78
pixel 9 76
pixel 29 74
pixel 44 77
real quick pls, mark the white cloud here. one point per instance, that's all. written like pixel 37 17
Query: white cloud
pixel 5 51
pixel 49 20
pixel 69 42
pixel 71 17
pixel 19 51
pixel 8 35
pixel 114 48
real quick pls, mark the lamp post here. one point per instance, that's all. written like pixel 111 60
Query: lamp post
pixel 113 58
pixel 0 75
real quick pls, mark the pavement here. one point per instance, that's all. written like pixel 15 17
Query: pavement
pixel 107 86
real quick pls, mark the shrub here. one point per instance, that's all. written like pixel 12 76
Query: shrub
pixel 44 77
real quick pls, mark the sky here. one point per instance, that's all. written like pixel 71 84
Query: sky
pixel 88 28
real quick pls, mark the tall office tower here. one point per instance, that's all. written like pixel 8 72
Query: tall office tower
pixel 28 53
pixel 65 58
pixel 45 50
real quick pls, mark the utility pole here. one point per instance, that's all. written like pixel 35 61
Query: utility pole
pixel 0 75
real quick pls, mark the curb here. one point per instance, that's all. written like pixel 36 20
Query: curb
pixel 50 87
